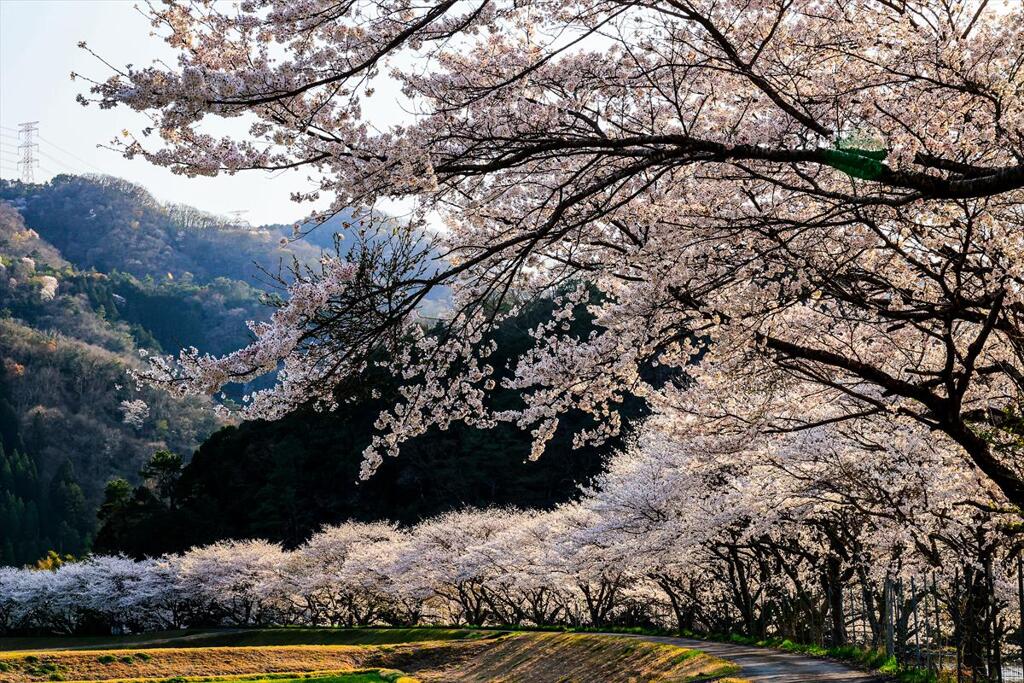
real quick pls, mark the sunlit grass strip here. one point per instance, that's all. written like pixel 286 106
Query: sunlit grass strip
pixel 211 662
pixel 577 656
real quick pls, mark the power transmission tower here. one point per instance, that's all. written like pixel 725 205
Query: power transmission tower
pixel 237 218
pixel 28 148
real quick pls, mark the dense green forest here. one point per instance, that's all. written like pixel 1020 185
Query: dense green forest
pixel 37 513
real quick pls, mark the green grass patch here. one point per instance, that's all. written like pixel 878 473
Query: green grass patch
pixel 685 655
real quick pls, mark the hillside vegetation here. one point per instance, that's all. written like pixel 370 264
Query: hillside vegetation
pixel 69 333
pixel 64 433
pixel 94 272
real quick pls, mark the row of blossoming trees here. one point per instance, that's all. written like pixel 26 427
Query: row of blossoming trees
pixel 678 533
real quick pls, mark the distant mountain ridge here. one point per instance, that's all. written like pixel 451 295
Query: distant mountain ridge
pixel 111 224
pixel 93 272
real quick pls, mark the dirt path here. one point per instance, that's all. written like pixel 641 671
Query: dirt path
pixel 763 665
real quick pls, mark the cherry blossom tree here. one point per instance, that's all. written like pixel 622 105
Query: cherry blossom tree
pixel 236 581
pixel 524 586
pixel 445 553
pixel 12 600
pixel 830 190
pixel 338 573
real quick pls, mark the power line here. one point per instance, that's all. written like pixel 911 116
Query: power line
pixel 73 155
pixel 58 161
pixel 61 150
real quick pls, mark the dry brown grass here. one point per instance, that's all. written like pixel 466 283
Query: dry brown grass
pixel 97 665
pixel 515 658
pixel 578 658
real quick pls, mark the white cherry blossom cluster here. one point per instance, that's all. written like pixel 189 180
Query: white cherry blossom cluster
pixel 824 197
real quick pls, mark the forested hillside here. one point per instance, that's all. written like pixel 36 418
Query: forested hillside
pixel 94 273
pixel 72 324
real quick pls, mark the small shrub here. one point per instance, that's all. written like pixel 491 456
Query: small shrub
pixel 890 666
pixel 127 659
pixel 685 655
pixel 56 676
pixel 31 659
pixel 107 659
pixel 144 656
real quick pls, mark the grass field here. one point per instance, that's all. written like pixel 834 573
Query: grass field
pixel 96 642
pixel 366 656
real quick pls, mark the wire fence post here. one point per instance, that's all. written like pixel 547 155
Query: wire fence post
pixel 887 610
pixel 917 630
pixel 938 620
pixel 958 638
pixel 1020 613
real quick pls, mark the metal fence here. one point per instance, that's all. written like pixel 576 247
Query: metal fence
pixel 922 625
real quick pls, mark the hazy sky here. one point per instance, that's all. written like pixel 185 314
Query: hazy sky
pixel 38 51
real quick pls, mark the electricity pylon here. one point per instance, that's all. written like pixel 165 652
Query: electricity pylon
pixel 28 148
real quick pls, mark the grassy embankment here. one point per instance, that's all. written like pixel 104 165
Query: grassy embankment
pixel 368 656
pixel 369 676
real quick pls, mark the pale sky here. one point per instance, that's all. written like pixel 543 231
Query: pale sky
pixel 38 51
